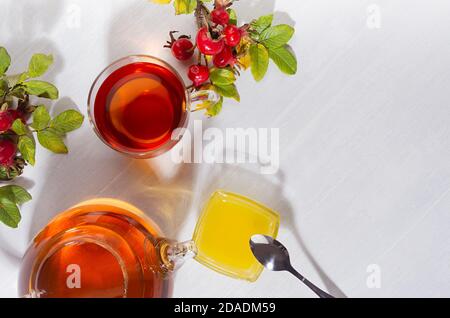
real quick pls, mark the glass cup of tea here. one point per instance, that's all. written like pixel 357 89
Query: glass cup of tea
pixel 139 106
pixel 109 248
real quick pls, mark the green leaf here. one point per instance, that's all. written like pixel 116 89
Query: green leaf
pixel 233 16
pixel 262 23
pixel 23 77
pixel 184 6
pixel 276 36
pixel 229 91
pixel 222 76
pixel 9 213
pixel 215 109
pixel 27 148
pixel 41 89
pixel 19 127
pixel 5 60
pixel 284 59
pixel 3 87
pixel 39 64
pixel 52 141
pixel 41 118
pixel 259 61
pixel 67 121
pixel 15 194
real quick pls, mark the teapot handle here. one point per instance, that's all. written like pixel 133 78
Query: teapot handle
pixel 174 254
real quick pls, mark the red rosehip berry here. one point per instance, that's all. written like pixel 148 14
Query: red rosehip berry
pixel 220 16
pixel 206 44
pixel 232 35
pixel 224 58
pixel 17 114
pixel 182 49
pixel 6 120
pixel 8 151
pixel 198 74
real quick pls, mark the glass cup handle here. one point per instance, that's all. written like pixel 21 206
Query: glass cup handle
pixel 174 254
pixel 198 98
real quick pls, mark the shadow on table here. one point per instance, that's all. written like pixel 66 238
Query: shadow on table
pixel 252 9
pixel 27 24
pixel 92 170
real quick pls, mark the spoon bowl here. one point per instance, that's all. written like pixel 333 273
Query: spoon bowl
pixel 270 253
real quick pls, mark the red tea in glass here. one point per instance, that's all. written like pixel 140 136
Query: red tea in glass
pixel 137 103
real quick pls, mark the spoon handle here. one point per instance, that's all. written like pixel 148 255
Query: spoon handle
pixel 319 292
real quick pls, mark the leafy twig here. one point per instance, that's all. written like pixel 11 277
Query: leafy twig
pixel 260 42
pixel 17 143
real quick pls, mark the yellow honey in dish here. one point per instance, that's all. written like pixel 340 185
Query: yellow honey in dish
pixel 223 233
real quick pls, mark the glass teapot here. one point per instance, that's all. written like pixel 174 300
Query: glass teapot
pixel 109 248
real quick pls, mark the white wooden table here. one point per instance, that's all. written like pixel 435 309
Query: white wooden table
pixel 364 182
